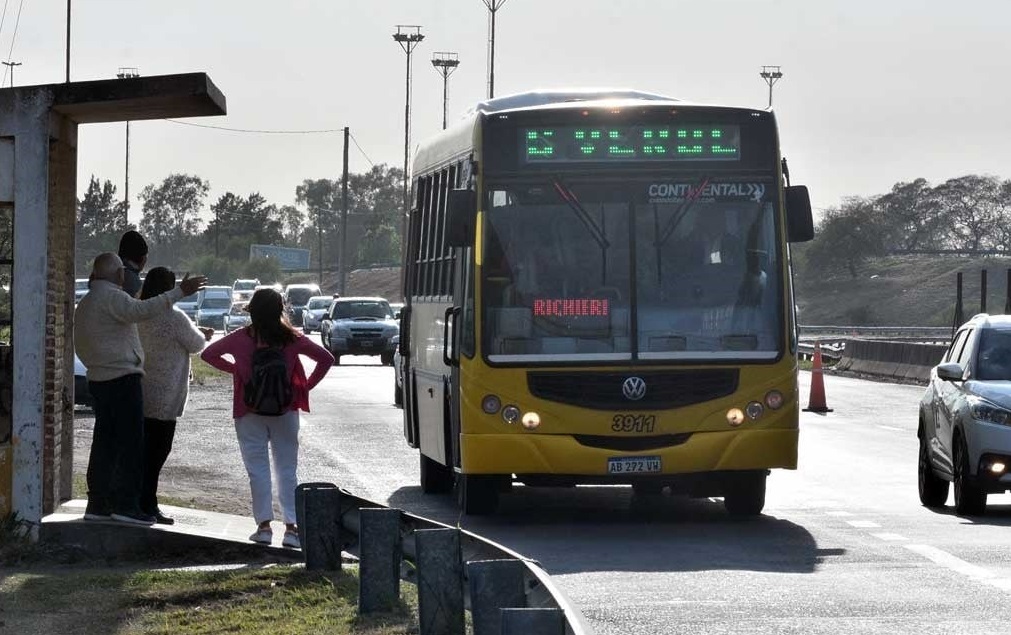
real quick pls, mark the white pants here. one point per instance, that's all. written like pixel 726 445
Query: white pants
pixel 255 433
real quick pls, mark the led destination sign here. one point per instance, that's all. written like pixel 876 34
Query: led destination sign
pixel 566 144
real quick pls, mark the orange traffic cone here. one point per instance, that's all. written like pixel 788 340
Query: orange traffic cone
pixel 816 402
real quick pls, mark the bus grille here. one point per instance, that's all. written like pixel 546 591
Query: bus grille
pixel 664 389
pixel 632 444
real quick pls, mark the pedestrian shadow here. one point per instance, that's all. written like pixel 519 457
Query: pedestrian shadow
pixel 608 528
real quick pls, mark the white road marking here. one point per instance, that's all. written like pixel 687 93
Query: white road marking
pixel 839 513
pixel 958 565
pixel 891 537
pixel 891 428
pixel 863 524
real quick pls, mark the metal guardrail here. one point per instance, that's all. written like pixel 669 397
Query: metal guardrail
pixel 541 591
pixel 931 333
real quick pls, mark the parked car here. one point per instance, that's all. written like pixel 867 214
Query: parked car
pixel 242 290
pixel 80 289
pixel 398 377
pixel 188 305
pixel 314 311
pixel 360 326
pixel 296 296
pixel 237 317
pixel 214 302
pixel 965 418
pixel 82 396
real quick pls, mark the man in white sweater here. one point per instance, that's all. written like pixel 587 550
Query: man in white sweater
pixel 106 339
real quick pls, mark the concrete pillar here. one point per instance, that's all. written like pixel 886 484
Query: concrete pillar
pixel 322 546
pixel 381 553
pixel 494 585
pixel 533 622
pixel 440 582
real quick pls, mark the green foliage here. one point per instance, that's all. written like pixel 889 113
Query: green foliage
pixel 266 270
pixel 172 209
pixel 101 220
pixel 218 270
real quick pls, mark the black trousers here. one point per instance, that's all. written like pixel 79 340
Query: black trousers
pixel 115 465
pixel 158 435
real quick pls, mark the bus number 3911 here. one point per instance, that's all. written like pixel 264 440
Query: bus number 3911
pixel 633 423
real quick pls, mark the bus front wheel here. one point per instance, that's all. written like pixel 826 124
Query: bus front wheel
pixel 744 494
pixel 477 493
pixel 436 478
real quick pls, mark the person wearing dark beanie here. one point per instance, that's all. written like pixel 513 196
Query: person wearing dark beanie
pixel 133 253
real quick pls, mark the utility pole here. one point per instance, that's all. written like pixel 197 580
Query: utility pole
pixel 129 72
pixel 408 36
pixel 12 65
pixel 493 7
pixel 68 41
pixel 344 261
pixel 771 75
pixel 319 231
pixel 445 63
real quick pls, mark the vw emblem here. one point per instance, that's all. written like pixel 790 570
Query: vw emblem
pixel 634 388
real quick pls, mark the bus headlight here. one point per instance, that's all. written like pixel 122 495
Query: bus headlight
pixel 774 399
pixel 735 417
pixel 510 414
pixel 531 420
pixel 754 410
pixel 491 404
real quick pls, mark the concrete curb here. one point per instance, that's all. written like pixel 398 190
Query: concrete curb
pixel 897 360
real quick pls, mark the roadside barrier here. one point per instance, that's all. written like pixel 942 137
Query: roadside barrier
pixel 896 360
pixel 453 569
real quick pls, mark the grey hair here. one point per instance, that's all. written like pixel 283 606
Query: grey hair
pixel 107 266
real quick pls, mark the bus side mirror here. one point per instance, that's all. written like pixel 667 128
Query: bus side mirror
pixel 799 222
pixel 461 213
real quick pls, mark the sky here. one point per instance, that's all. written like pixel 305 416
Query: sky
pixel 873 92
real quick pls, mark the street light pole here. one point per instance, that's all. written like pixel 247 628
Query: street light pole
pixel 408 36
pixel 12 65
pixel 129 72
pixel 493 7
pixel 445 63
pixel 771 75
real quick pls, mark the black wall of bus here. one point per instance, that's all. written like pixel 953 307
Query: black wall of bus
pixel 502 151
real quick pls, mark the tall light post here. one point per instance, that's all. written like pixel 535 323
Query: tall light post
pixel 127 72
pixel 408 37
pixel 771 75
pixel 12 66
pixel 493 7
pixel 445 63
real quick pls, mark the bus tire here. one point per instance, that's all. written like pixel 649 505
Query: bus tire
pixel 436 478
pixel 477 494
pixel 744 494
pixel 398 394
pixel 386 359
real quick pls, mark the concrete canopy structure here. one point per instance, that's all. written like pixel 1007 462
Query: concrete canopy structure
pixel 38 193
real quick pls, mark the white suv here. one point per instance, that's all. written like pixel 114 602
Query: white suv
pixel 965 418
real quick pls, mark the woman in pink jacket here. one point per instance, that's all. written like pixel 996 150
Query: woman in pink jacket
pixel 260 435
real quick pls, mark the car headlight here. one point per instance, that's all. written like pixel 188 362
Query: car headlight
pixel 983 410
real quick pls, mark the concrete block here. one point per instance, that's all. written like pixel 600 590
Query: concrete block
pixel 322 546
pixel 440 582
pixel 533 622
pixel 381 553
pixel 300 505
pixel 494 585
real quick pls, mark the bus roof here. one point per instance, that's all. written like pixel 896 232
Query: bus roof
pixel 555 97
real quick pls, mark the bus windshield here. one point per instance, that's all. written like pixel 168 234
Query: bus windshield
pixel 657 269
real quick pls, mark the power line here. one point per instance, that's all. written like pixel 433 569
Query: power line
pixel 14 37
pixel 4 18
pixel 252 131
pixel 362 151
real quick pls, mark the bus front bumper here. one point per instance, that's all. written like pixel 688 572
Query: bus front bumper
pixel 564 455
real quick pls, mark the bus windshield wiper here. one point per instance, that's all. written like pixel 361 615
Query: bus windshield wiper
pixel 570 199
pixel 693 196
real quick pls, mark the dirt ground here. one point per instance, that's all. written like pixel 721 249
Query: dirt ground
pixel 204 469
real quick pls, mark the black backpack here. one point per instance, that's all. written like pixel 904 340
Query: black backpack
pixel 268 391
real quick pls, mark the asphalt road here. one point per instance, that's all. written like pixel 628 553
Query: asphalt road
pixel 843 546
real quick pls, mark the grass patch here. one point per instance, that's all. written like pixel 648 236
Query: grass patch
pixel 271 600
pixel 204 373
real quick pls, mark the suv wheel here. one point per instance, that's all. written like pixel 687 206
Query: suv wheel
pixel 970 499
pixel 933 489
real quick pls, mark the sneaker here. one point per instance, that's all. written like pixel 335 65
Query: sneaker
pixel 93 512
pixel 162 519
pixel 134 518
pixel 291 540
pixel 262 536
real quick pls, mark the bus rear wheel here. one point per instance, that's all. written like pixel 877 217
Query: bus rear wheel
pixel 436 478
pixel 477 493
pixel 744 494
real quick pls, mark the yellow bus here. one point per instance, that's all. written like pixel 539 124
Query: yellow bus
pixel 598 290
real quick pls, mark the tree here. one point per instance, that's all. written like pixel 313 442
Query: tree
pixel 172 209
pixel 239 222
pixel 101 220
pixel 377 196
pixel 973 206
pixel 846 237
pixel 292 224
pixel 912 217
